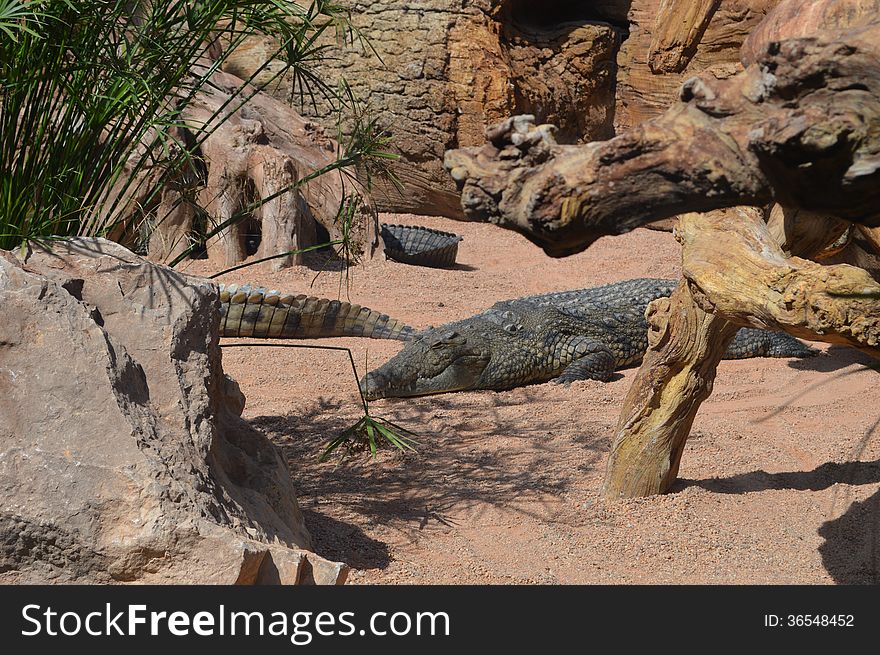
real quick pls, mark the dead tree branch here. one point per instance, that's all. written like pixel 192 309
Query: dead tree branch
pixel 800 126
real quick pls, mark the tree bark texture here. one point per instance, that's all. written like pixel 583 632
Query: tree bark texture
pixel 685 345
pixel 738 271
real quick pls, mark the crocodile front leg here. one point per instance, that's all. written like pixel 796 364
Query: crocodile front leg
pixel 596 362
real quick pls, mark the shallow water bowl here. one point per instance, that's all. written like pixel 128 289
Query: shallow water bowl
pixel 420 246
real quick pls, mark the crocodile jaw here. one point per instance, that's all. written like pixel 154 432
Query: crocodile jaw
pixel 462 374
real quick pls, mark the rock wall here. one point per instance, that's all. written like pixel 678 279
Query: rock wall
pixel 122 454
pixel 450 67
pixel 672 40
pixel 795 18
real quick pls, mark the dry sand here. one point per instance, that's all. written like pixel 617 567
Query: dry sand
pixel 778 483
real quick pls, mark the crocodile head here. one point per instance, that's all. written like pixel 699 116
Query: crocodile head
pixel 438 361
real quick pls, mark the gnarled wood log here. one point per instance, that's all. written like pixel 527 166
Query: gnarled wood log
pixel 800 126
pixel 738 271
pixel 735 275
pixel 256 151
pixel 872 236
pixel 676 376
pixel 807 234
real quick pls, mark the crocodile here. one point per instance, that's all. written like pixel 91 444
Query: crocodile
pixel 561 336
pixel 247 311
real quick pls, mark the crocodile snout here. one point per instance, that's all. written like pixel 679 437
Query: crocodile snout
pixel 373 385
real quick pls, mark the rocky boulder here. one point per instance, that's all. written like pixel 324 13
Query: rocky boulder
pixel 122 453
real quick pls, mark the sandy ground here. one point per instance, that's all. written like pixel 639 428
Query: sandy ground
pixel 779 483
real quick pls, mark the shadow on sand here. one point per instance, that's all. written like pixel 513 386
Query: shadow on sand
pixel 822 477
pixel 451 472
pixel 851 551
pixel 833 359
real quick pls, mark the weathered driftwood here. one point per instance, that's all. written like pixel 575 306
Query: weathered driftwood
pixel 857 251
pixel 872 236
pixel 735 275
pixel 256 152
pixel 676 376
pixel 740 273
pixel 807 234
pixel 800 126
pixel 825 239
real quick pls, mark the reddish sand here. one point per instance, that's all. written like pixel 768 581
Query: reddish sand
pixel 778 483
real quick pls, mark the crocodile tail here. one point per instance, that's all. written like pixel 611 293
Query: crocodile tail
pixel 253 312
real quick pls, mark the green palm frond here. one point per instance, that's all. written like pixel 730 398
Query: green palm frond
pixel 369 431
pixel 92 95
pixel 366 434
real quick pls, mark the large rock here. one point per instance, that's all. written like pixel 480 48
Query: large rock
pixel 122 453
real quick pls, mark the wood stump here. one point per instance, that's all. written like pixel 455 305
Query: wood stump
pixel 735 275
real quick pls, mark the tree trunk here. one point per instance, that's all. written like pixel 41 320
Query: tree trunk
pixel 676 376
pixel 735 275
